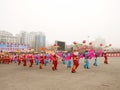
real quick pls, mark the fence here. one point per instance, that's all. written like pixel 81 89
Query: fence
pixel 113 54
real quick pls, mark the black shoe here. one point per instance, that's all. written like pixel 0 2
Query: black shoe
pixel 88 68
pixel 73 71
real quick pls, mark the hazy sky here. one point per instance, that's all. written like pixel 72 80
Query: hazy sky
pixel 66 20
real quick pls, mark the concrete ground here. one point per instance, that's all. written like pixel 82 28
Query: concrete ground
pixel 102 77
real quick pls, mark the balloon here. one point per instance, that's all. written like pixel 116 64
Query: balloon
pixel 84 41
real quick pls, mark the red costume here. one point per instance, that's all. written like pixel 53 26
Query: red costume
pixel 105 58
pixel 0 59
pixel 7 59
pixel 42 58
pixel 54 62
pixel 19 59
pixel 24 60
pixel 31 61
pixel 75 63
pixel 3 59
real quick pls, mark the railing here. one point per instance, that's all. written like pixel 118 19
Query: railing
pixel 113 54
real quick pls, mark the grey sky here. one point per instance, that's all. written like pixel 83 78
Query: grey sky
pixel 66 20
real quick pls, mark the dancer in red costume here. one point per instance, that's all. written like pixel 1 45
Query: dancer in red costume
pixel 24 60
pixel 5 59
pixel 42 58
pixel 31 60
pixel 75 61
pixel 54 62
pixel 2 59
pixel 8 59
pixel 19 59
pixel 105 57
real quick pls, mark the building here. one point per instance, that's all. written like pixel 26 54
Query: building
pixel 7 37
pixel 33 39
pixel 24 37
pixel 28 38
pixel 10 43
pixel 40 40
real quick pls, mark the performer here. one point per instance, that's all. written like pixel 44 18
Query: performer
pixel 63 58
pixel 8 59
pixel 31 60
pixel 46 59
pixel 80 57
pixel 95 59
pixel 3 58
pixel 105 57
pixel 42 58
pixel 36 59
pixel 0 58
pixel 86 56
pixel 19 59
pixel 54 62
pixel 24 60
pixel 69 60
pixel 75 61
pixel 15 58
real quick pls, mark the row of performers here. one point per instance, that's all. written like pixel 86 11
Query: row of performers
pixel 44 58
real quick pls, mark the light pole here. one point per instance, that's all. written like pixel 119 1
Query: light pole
pixel 88 39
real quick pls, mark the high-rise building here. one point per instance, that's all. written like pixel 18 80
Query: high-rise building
pixel 24 37
pixel 40 40
pixel 33 39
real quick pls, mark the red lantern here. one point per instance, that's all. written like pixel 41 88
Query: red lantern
pixel 84 41
pixel 74 42
pixel 90 43
pixel 110 44
pixel 101 45
pixel 55 45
